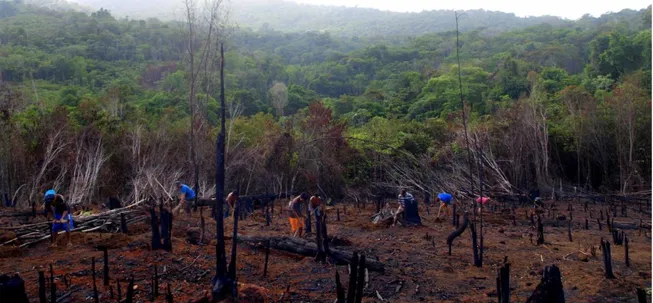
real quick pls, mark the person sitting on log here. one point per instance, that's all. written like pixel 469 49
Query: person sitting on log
pixel 186 195
pixel 404 197
pixel 445 201
pixel 295 215
pixel 232 199
pixel 315 204
pixel 482 201
pixel 63 220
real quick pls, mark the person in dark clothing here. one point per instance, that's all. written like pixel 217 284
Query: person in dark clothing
pixel 62 219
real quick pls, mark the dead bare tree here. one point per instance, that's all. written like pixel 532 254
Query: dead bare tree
pixel 88 162
pixel 56 144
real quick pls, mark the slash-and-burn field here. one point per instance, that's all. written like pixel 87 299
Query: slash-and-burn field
pixel 417 266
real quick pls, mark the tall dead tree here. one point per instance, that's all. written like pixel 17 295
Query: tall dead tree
pixel 221 281
pixel 469 151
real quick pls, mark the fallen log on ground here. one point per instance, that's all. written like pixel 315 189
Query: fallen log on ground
pixel 305 248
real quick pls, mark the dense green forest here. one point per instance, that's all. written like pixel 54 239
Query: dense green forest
pixel 92 105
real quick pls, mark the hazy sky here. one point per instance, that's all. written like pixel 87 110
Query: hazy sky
pixel 571 9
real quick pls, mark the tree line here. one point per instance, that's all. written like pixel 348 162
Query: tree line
pixel 97 106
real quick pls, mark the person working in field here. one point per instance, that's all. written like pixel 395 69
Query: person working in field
pixel 314 205
pixel 404 197
pixel 186 195
pixel 445 201
pixel 232 199
pixel 62 219
pixel 295 215
pixel 483 201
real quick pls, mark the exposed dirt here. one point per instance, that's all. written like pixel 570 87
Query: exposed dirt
pixel 426 273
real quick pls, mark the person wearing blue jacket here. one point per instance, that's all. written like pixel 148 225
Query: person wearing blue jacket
pixel 186 194
pixel 446 200
pixel 60 210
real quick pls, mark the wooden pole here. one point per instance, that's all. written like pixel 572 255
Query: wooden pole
pixel 96 299
pixel 106 266
pixel 353 269
pixel 361 279
pixel 267 257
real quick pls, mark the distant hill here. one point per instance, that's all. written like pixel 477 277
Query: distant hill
pixel 338 20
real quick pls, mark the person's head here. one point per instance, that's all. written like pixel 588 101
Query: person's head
pixel 403 192
pixel 178 184
pixel 304 195
pixel 235 193
pixel 317 195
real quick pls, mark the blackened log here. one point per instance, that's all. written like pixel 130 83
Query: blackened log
pixel 156 236
pixel 42 297
pixel 641 296
pixel 96 299
pixel 12 289
pixel 569 231
pixel 599 223
pixel 123 224
pixel 607 260
pixel 456 233
pixel 53 287
pixel 353 270
pixel 550 287
pixel 361 279
pixel 267 258
pixel 129 298
pixel 503 283
pixel 106 266
pixel 340 292
pixel 540 231
pixel 626 251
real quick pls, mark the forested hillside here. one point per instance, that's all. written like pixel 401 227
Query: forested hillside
pixel 92 105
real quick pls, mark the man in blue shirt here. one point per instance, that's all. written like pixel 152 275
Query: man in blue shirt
pixel 186 195
pixel 446 200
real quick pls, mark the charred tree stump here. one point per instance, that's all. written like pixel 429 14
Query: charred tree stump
pixel 585 206
pixel 571 216
pixel 503 283
pixel 514 220
pixel 338 214
pixel 111 291
pixel 169 295
pixel 156 236
pixel 456 233
pixel 587 225
pixel 641 296
pixel 325 236
pixel 550 287
pixel 155 284
pixel 540 231
pixel 617 237
pixel 569 230
pixel 476 253
pixel 624 211
pixel 569 207
pixel 268 218
pixel 106 266
pixel 123 224
pixel 353 269
pixel 608 222
pixel 361 279
pixel 321 255
pixel 454 223
pixel 96 299
pixel 129 297
pixel 119 291
pixel 601 212
pixel 340 292
pixel 267 258
pixel 42 297
pixel 626 251
pixel 607 259
pixel 231 273
pixel 166 229
pixel 599 223
pixel 12 289
pixel 53 287
pixel 614 211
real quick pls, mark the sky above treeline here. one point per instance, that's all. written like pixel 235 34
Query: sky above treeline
pixel 573 9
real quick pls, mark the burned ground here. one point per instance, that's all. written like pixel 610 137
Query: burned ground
pixel 416 268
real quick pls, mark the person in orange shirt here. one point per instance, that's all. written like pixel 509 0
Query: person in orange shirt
pixel 295 215
pixel 315 204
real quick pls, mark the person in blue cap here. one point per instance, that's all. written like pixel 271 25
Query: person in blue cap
pixel 186 195
pixel 445 201
pixel 62 219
